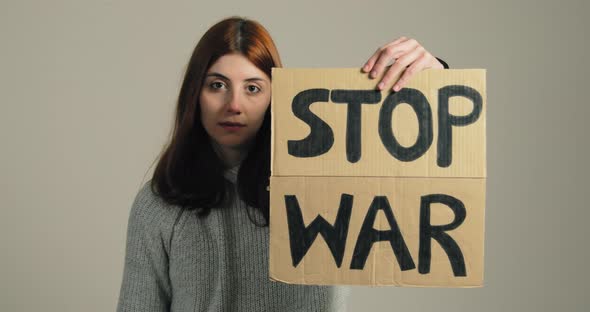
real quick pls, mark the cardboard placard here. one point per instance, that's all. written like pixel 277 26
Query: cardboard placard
pixel 376 187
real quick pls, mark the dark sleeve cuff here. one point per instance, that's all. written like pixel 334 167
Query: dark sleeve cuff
pixel 445 65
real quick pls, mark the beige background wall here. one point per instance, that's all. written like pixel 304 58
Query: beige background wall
pixel 87 94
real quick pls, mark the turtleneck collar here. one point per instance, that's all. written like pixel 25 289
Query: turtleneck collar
pixel 231 174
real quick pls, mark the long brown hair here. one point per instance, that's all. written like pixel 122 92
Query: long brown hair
pixel 189 173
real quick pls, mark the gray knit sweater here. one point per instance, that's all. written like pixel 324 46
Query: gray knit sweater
pixel 176 261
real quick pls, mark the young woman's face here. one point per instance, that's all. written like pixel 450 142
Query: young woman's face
pixel 234 99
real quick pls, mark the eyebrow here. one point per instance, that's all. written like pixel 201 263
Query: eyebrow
pixel 214 74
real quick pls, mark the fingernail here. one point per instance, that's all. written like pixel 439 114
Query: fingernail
pixel 396 88
pixel 373 74
pixel 380 86
pixel 366 68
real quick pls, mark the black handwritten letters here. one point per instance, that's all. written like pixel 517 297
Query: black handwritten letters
pixel 302 237
pixel 372 218
pixel 321 137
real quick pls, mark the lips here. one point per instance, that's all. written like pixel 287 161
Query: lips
pixel 232 126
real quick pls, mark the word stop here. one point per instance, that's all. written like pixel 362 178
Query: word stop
pixel 321 137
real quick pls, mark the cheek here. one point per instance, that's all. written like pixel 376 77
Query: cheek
pixel 208 110
pixel 258 117
pixel 262 108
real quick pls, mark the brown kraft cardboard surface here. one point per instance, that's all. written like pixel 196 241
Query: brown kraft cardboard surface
pixel 374 187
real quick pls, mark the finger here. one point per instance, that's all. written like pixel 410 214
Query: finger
pixel 371 61
pixel 420 64
pixel 436 63
pixel 400 65
pixel 390 54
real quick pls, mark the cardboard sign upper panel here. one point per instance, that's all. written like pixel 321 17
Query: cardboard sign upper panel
pixel 322 127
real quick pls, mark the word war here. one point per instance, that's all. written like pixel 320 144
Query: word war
pixel 302 237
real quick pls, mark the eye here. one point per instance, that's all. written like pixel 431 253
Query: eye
pixel 216 85
pixel 253 89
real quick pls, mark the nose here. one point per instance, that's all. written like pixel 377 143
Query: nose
pixel 234 105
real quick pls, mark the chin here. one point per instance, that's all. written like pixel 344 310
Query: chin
pixel 234 143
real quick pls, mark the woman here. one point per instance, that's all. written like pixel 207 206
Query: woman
pixel 197 237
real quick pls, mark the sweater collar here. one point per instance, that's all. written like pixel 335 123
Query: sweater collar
pixel 231 174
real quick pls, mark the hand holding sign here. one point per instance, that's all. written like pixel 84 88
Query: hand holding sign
pixel 408 55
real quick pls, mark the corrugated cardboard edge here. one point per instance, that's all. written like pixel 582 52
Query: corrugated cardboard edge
pixel 278 280
pixel 272 126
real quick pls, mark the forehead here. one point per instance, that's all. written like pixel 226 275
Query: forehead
pixel 236 67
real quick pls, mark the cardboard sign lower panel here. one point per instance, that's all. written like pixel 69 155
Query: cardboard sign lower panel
pixel 377 231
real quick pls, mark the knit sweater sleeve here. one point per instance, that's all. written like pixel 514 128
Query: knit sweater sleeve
pixel 146 283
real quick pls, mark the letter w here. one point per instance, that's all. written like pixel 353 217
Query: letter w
pixel 301 237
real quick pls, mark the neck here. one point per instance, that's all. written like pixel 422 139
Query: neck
pixel 231 156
